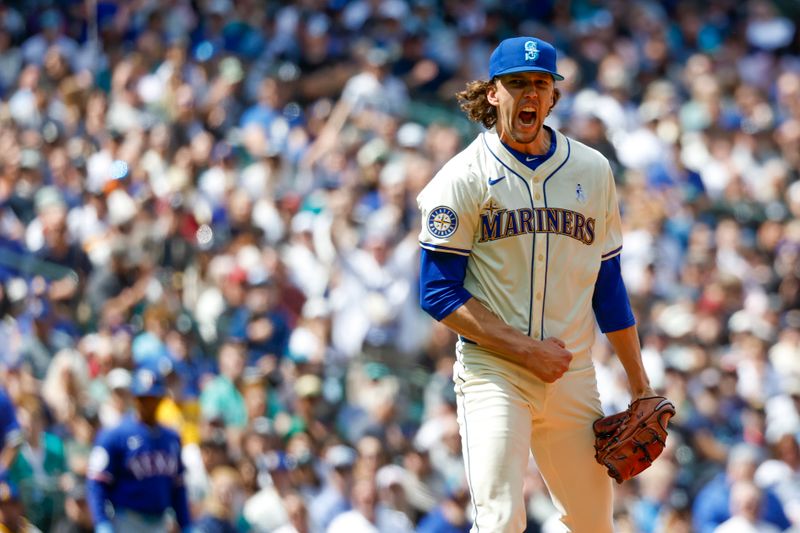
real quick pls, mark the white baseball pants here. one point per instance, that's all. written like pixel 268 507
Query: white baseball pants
pixel 504 415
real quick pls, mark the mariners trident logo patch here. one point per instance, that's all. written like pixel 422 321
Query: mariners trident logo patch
pixel 442 222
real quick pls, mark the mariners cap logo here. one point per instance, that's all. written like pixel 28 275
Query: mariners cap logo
pixel 531 52
pixel 442 222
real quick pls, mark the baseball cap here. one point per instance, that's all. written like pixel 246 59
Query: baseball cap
pixel 389 475
pixel 147 382
pixel 341 456
pixel 308 386
pixel 523 54
pixel 48 197
pixel 119 378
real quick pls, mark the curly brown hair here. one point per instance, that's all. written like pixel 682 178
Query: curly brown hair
pixel 473 102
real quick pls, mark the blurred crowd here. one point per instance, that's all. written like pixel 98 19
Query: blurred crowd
pixel 226 188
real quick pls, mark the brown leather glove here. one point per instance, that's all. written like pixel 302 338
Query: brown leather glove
pixel 628 442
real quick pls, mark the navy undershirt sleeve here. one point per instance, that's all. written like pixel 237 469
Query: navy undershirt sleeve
pixel 441 283
pixel 610 302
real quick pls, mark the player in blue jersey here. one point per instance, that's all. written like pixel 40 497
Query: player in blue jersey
pixel 10 433
pixel 135 469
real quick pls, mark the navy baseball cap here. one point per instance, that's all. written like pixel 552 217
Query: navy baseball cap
pixel 523 54
pixel 148 382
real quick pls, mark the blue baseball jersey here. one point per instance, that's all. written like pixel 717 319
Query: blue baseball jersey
pixel 137 467
pixel 10 434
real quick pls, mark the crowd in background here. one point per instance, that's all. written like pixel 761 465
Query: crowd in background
pixel 226 188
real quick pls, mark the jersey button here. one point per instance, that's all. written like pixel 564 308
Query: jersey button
pixel 538 295
pixel 536 334
pixel 541 257
pixel 537 196
pixel 536 180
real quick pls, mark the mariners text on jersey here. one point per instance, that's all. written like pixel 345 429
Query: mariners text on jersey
pixel 501 223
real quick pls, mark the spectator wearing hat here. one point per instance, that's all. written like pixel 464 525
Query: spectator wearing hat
pixel 12 511
pixel 308 413
pixel 119 400
pixel 390 482
pixel 77 517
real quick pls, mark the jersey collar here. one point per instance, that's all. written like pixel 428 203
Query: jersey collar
pixel 534 161
pixel 510 160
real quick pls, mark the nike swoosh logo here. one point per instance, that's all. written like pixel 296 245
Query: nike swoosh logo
pixel 529 159
pixel 496 181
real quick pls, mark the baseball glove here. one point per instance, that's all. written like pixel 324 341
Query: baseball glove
pixel 628 442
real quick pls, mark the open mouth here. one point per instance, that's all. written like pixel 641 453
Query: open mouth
pixel 527 118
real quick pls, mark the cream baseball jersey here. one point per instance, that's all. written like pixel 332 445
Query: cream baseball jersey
pixel 535 239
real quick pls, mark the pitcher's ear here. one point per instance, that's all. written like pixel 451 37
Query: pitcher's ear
pixel 491 93
pixel 556 96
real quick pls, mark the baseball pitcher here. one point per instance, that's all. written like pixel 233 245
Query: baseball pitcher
pixel 520 256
